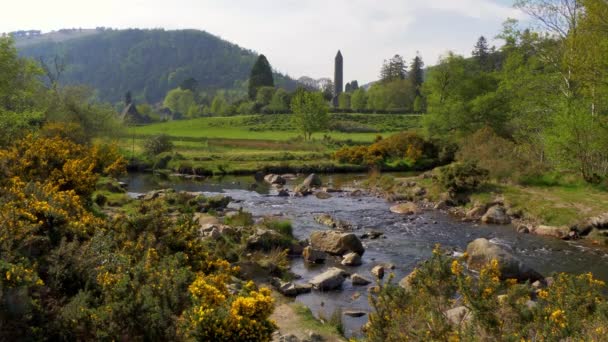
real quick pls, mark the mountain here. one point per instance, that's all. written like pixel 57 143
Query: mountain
pixel 146 62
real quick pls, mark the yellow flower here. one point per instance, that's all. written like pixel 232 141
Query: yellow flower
pixel 456 267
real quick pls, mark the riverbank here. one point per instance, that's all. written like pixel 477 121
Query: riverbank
pixel 566 211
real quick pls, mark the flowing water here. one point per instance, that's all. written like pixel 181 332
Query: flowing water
pixel 406 242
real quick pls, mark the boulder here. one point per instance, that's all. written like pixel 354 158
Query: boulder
pixel 283 193
pixel 352 259
pixel 442 205
pixel 408 208
pixel 496 215
pixel 523 229
pixel 558 232
pixel 290 289
pixel 329 280
pixel 458 315
pixel 216 230
pixel 378 271
pixel 359 280
pixel 313 256
pixel 481 252
pixel 312 181
pixel 323 195
pixel 336 243
pixel 598 222
pixel 476 213
pixel 274 179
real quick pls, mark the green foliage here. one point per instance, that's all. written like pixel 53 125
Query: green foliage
pixel 501 157
pixel 264 95
pixel 359 99
pixel 78 105
pixel 179 100
pixel 282 226
pixel 152 62
pixel 344 101
pixel 461 177
pixel 240 219
pixel 309 112
pixel 395 94
pixel 260 76
pixel 280 101
pixel 461 100
pixel 158 144
pixel 18 78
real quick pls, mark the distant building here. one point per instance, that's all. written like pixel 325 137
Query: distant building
pixel 130 114
pixel 338 77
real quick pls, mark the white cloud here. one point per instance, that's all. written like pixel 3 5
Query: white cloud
pixel 300 37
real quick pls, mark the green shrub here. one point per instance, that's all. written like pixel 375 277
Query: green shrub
pixel 240 219
pixel 158 144
pixel 282 226
pixel 461 177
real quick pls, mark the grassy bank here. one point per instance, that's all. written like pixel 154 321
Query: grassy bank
pixel 242 144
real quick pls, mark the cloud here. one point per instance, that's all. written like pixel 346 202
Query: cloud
pixel 299 37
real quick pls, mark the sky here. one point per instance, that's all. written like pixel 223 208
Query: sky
pixel 299 37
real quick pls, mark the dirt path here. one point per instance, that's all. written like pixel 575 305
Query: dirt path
pixel 292 322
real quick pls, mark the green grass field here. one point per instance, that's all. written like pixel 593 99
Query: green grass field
pixel 251 142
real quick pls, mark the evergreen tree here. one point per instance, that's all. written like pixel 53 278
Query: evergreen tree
pixel 261 76
pixel 416 74
pixel 481 52
pixel 393 69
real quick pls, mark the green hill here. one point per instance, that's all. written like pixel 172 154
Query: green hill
pixel 146 62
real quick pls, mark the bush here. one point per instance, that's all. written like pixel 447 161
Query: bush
pixel 573 307
pixel 461 177
pixel 405 146
pixel 501 157
pixel 158 144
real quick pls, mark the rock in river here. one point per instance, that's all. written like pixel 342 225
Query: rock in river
pixel 408 208
pixel 359 280
pixel 378 271
pixel 558 232
pixel 352 259
pixel 329 280
pixel 481 252
pixel 496 215
pixel 313 256
pixel 274 179
pixel 336 243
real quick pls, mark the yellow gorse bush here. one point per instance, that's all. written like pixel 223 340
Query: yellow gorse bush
pixel 572 307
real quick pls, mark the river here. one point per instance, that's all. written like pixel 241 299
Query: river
pixel 407 240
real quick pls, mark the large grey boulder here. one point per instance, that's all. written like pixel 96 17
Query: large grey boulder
pixel 481 252
pixel 329 280
pixel 336 243
pixel 496 215
pixel 597 222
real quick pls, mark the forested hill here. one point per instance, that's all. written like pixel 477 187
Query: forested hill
pixel 147 62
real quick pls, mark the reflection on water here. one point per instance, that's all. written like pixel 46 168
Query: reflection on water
pixel 406 242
